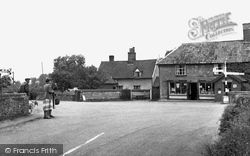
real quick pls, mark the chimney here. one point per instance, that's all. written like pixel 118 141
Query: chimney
pixel 131 55
pixel 246 32
pixel 111 58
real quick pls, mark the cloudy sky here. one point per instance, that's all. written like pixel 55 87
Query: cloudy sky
pixel 33 32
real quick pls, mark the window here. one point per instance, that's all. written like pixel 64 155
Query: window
pixel 137 73
pixel 206 88
pixel 178 88
pixel 120 87
pixel 137 87
pixel 229 86
pixel 218 67
pixel 180 70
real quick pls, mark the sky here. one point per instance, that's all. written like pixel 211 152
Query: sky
pixel 35 32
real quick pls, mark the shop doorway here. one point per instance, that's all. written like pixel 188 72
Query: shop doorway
pixel 193 91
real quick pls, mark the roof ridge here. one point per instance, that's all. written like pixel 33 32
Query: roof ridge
pixel 211 42
pixel 127 60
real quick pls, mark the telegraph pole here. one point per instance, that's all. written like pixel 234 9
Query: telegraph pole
pixel 42 67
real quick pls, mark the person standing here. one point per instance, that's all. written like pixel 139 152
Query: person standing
pixel 48 97
pixel 24 88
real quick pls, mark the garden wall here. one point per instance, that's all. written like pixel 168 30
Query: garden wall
pixel 113 94
pixel 101 94
pixel 233 95
pixel 13 105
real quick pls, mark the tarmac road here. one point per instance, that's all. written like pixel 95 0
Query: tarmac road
pixel 129 128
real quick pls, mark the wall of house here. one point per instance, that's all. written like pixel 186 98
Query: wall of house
pixel 194 74
pixel 129 84
pixel 13 105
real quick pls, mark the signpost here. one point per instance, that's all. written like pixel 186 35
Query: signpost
pixel 225 98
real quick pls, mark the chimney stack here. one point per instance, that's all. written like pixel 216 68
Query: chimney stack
pixel 246 32
pixel 111 58
pixel 131 55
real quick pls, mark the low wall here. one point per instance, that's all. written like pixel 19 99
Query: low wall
pixel 140 94
pixel 233 95
pixel 113 94
pixel 13 105
pixel 101 94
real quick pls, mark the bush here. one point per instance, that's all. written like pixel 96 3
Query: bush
pixel 232 112
pixel 234 131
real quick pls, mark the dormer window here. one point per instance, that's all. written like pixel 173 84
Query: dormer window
pixel 137 73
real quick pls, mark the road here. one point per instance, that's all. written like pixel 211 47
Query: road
pixel 127 128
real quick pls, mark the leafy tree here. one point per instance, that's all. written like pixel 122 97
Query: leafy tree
pixel 5 81
pixel 63 79
pixel 41 79
pixel 91 78
pixel 70 72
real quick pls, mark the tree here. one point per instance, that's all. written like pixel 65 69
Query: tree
pixel 70 72
pixel 5 81
pixel 63 79
pixel 91 78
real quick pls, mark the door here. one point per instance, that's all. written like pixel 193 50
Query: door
pixel 156 93
pixel 193 91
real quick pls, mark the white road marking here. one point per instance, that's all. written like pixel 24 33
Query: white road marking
pixel 73 149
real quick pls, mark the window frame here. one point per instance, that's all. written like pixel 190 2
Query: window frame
pixel 137 73
pixel 137 87
pixel 120 87
pixel 180 70
pixel 206 88
pixel 182 89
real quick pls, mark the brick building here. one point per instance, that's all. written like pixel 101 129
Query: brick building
pixel 187 72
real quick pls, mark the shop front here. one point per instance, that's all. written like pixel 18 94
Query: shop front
pixel 191 90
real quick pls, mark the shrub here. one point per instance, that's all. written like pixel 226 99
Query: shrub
pixel 232 112
pixel 234 142
pixel 234 139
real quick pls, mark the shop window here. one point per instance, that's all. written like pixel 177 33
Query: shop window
pixel 178 88
pixel 180 70
pixel 206 88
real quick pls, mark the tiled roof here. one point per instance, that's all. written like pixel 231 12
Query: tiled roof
pixel 238 78
pixel 125 70
pixel 111 81
pixel 208 52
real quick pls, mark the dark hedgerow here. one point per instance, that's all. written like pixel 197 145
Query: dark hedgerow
pixel 234 136
pixel 232 112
